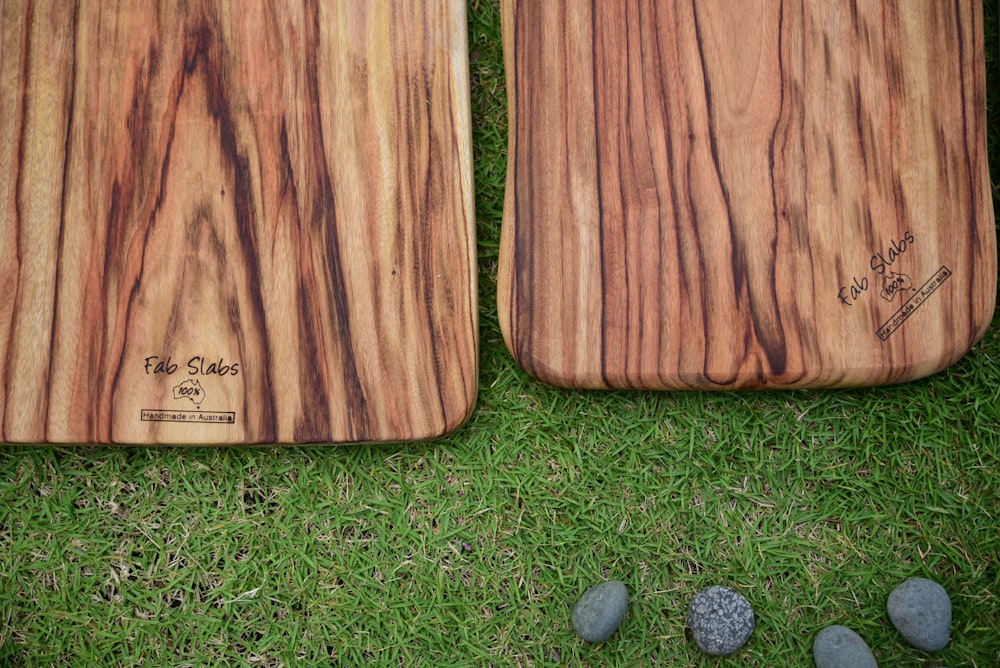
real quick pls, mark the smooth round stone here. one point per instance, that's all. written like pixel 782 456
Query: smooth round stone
pixel 600 611
pixel 840 647
pixel 921 611
pixel 721 620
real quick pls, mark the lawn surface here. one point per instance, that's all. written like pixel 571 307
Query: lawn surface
pixel 473 550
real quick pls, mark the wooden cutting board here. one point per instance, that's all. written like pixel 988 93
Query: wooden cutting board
pixel 718 194
pixel 235 221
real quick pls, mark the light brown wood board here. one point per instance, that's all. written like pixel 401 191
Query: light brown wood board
pixel 711 194
pixel 229 221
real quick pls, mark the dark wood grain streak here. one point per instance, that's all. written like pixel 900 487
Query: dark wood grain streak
pixel 279 190
pixel 694 187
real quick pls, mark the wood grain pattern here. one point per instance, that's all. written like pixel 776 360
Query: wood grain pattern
pixel 716 194
pixel 253 217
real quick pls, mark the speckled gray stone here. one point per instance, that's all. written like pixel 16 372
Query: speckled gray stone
pixel 921 611
pixel 600 611
pixel 840 647
pixel 721 620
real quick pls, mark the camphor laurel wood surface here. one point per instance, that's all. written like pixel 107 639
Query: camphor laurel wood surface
pixel 235 210
pixel 718 194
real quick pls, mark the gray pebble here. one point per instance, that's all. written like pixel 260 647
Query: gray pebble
pixel 600 611
pixel 721 620
pixel 921 611
pixel 840 647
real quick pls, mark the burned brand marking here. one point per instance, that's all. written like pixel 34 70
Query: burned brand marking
pixel 894 285
pixel 910 306
pixel 193 417
pixel 880 263
pixel 195 382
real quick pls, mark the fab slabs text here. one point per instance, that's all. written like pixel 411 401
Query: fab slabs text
pixel 880 263
pixel 196 366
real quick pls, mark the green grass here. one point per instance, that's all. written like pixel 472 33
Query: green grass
pixel 471 551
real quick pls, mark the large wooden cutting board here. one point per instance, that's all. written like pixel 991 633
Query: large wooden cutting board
pixel 720 194
pixel 235 221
